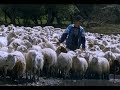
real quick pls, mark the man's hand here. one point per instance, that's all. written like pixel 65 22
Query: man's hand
pixel 58 43
pixel 83 49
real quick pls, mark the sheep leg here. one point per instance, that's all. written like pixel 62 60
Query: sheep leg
pixel 33 78
pixel 50 71
pixel 58 73
pixel 5 73
pixel 88 74
pixel 53 71
pixel 26 75
pixel 97 76
pixel 82 76
pixel 38 75
pixel 74 75
pixel 34 74
pixel 106 75
pixel 114 75
pixel 71 75
pixel 66 73
pixel 30 75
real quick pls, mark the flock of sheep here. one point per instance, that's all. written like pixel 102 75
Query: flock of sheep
pixel 33 52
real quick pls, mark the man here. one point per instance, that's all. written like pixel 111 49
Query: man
pixel 74 35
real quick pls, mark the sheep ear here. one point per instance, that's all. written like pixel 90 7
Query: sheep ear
pixel 14 55
pixel 74 56
pixel 60 47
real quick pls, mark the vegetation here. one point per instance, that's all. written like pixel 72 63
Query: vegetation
pixel 103 16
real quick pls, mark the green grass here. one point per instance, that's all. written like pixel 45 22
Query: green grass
pixel 106 29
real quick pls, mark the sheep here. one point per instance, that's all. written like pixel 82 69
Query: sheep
pixel 42 45
pixel 3 58
pixel 34 63
pixel 4 49
pixel 64 64
pixel 113 61
pixel 107 48
pixel 115 50
pixel 102 46
pixel 15 43
pixel 10 36
pixel 79 67
pixel 48 44
pixel 105 42
pixel 16 64
pixel 22 49
pixel 27 44
pixel 61 49
pixel 117 64
pixel 36 47
pixel 99 67
pixel 50 59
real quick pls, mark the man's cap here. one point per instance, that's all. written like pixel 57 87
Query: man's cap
pixel 77 18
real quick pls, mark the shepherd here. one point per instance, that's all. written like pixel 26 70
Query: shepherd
pixel 74 35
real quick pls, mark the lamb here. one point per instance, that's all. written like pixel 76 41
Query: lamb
pixel 16 64
pixel 34 63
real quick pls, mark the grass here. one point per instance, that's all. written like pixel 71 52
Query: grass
pixel 106 29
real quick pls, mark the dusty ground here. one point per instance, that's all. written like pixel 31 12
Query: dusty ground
pixel 60 82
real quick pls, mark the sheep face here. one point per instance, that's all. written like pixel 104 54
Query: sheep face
pixel 61 49
pixel 10 62
pixel 27 43
pixel 95 59
pixel 22 49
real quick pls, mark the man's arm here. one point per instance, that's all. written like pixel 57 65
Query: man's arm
pixel 64 35
pixel 83 40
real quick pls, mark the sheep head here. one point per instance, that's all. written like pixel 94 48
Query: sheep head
pixel 10 62
pixel 61 49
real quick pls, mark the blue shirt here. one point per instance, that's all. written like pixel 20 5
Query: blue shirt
pixel 74 37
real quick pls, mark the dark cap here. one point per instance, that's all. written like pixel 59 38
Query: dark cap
pixel 77 18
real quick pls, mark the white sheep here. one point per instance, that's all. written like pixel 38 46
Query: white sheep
pixel 79 67
pixel 4 49
pixel 10 37
pixel 15 43
pixel 36 47
pixel 50 60
pixel 64 64
pixel 16 64
pixel 3 58
pixel 99 67
pixel 48 44
pixel 34 63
